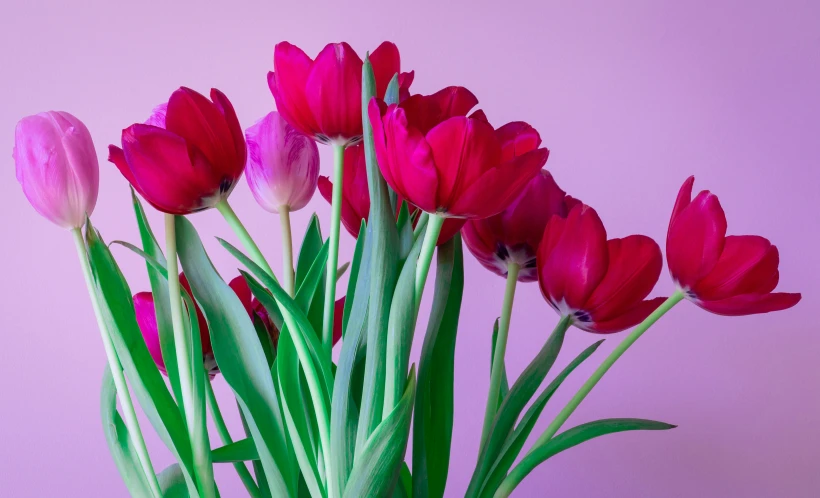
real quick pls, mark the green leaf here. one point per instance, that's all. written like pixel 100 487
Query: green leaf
pixel 240 358
pixel 517 398
pixel 354 277
pixel 172 483
pixel 391 96
pixel 311 245
pixel 433 419
pixel 307 290
pixel 239 451
pixel 404 226
pixel 514 443
pixel 119 440
pixel 117 309
pixel 505 384
pixel 375 471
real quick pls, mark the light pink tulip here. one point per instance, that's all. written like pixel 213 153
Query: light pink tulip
pixel 283 164
pixel 57 167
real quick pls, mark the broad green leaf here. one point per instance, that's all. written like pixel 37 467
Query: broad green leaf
pixel 505 385
pixel 172 483
pixel 311 245
pixel 258 470
pixel 117 308
pixel 433 419
pixel 239 451
pixel 514 443
pixel 307 288
pixel 404 225
pixel 378 465
pixel 354 276
pixel 240 358
pixel 517 398
pixel 344 417
pixel 119 440
pixel 583 433
pixel 381 229
pixel 391 96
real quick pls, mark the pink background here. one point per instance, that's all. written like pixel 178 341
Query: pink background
pixel 631 98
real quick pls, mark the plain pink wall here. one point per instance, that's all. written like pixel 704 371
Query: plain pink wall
pixel 632 97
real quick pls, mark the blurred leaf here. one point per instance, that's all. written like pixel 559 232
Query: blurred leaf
pixel 240 358
pixel 239 451
pixel 375 471
pixel 433 420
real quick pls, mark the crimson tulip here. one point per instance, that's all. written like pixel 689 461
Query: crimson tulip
pixel 449 164
pixel 356 197
pixel 188 156
pixel 513 235
pixel 727 275
pixel 322 98
pixel 600 284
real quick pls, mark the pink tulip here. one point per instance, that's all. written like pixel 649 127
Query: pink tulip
pixel 57 167
pixel 283 164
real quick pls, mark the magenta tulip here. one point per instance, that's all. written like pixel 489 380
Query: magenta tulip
pixel 283 164
pixel 57 167
pixel 445 163
pixel 187 157
pixel 323 98
pixel 727 275
pixel 600 284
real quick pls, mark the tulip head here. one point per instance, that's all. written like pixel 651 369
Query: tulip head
pixel 283 164
pixel 600 284
pixel 446 163
pixel 727 275
pixel 322 98
pixel 56 165
pixel 513 235
pixel 188 156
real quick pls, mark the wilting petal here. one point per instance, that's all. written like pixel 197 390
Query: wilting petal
pixel 695 239
pixel 287 84
pixel 386 62
pixel 628 319
pixel 748 264
pixel 333 92
pixel 750 304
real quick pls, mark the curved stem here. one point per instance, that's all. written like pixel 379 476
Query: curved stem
pixel 287 250
pixel 225 437
pixel 428 247
pixel 244 237
pixel 124 396
pixel 497 371
pixel 333 254
pixel 520 471
pixel 182 344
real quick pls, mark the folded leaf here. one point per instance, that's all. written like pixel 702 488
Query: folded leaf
pixel 239 451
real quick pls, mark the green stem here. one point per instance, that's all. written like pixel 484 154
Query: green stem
pixel 520 471
pixel 127 406
pixel 184 362
pixel 333 255
pixel 225 437
pixel 428 247
pixel 497 371
pixel 244 237
pixel 420 224
pixel 287 250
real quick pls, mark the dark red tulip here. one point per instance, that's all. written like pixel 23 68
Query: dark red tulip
pixel 600 284
pixel 356 197
pixel 187 157
pixel 322 98
pixel 513 235
pixel 446 163
pixel 732 275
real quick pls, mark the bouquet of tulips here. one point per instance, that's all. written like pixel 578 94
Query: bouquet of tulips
pixel 413 176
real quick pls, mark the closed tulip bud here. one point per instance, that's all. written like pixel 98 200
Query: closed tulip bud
pixel 57 167
pixel 283 164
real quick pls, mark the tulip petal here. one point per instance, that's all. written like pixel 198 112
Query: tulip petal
pixel 405 80
pixel 683 200
pixel 226 108
pixel 748 264
pixel 628 319
pixel 449 229
pixel 386 62
pixel 517 138
pixel 240 287
pixel 750 304
pixel 291 68
pixel 635 264
pixel 351 219
pixel 410 169
pixel 334 91
pixel 695 239
pixel 147 321
pixel 426 111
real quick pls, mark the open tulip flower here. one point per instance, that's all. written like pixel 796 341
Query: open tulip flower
pixel 600 284
pixel 188 156
pixel 513 235
pixel 322 98
pixel 727 275
pixel 449 164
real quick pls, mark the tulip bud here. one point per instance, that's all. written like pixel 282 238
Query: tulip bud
pixel 283 164
pixel 57 167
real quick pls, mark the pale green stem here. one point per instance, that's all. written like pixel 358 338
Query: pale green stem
pixel 244 237
pixel 124 396
pixel 182 345
pixel 287 250
pixel 520 471
pixel 420 224
pixel 428 247
pixel 333 254
pixel 497 371
pixel 225 437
